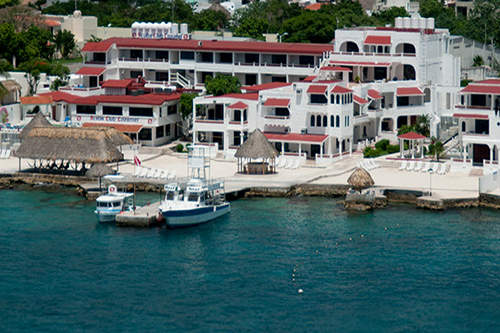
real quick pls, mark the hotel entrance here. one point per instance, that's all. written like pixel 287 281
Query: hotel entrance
pixel 479 154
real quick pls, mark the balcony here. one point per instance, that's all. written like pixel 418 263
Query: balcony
pixel 473 107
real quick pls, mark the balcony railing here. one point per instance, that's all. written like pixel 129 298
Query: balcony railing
pixel 475 107
pixel 209 121
pixel 276 117
pixel 371 54
pixel 238 122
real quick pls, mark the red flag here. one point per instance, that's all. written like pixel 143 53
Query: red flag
pixel 137 161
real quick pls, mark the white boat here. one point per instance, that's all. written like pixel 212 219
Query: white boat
pixel 197 201
pixel 112 203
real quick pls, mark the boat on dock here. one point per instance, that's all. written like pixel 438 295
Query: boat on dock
pixel 197 201
pixel 113 203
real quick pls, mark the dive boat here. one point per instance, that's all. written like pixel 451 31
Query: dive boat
pixel 113 203
pixel 197 201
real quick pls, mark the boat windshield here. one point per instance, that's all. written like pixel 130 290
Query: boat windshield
pixel 108 204
pixel 193 197
pixel 170 195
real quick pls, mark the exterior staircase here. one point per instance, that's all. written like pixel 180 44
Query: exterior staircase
pixel 180 80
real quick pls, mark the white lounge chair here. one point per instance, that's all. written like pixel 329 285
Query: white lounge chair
pixel 418 166
pixel 7 154
pixel 426 167
pixel 137 171
pixel 144 172
pixel 410 166
pixel 403 165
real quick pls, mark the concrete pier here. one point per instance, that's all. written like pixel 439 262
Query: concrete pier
pixel 145 216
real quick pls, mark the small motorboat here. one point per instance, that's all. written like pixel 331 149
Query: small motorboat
pixel 113 203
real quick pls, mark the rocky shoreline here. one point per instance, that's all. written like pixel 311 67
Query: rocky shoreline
pixel 28 181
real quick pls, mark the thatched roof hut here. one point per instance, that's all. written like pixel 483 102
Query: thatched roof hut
pixel 70 144
pixel 257 147
pixel 360 179
pixel 116 137
pixel 38 120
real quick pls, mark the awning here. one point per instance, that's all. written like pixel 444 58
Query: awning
pixel 360 63
pixel 374 94
pixel 470 115
pixel 378 40
pixel 411 136
pixel 92 71
pixel 335 69
pixel 125 128
pixel 238 106
pixel 296 138
pixel 316 89
pixel 340 90
pixel 409 91
pixel 482 89
pixel 277 102
pixel 360 100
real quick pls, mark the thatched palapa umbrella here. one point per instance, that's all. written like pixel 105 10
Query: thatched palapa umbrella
pixel 360 179
pixel 256 147
pixel 99 170
pixel 38 120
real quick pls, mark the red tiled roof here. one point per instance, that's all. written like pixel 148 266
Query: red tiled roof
pixel 314 6
pixel 52 23
pixel 126 128
pixel 101 46
pixel 340 90
pixel 409 91
pixel 296 137
pixel 378 40
pixel 309 78
pixel 489 81
pixel 279 102
pixel 94 71
pixel 411 136
pixel 248 96
pixel 360 100
pixel 117 83
pixel 361 63
pixel 481 89
pixel 374 94
pixel 212 45
pixel 335 69
pixel 61 96
pixel 265 86
pixel 238 106
pixel 470 115
pixel 146 99
pixel 36 100
pixel 317 89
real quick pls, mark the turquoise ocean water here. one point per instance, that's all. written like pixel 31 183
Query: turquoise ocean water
pixel 393 270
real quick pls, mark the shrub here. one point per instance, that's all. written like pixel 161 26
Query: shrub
pixel 179 148
pixel 391 149
pixel 382 144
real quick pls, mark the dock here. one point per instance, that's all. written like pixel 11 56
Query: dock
pixel 145 216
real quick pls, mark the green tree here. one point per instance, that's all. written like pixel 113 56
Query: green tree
pixel 436 148
pixel 8 3
pixel 186 111
pixel 64 42
pixel 209 20
pixel 388 16
pixel 222 84
pixel 477 61
pixel 34 67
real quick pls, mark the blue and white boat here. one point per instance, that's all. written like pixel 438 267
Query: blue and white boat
pixel 197 201
pixel 112 203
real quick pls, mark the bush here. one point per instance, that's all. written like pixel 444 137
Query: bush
pixel 382 144
pixel 391 149
pixel 179 148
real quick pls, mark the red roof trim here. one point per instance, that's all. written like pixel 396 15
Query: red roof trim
pixel 296 137
pixel 340 90
pixel 378 40
pixel 212 45
pixel 411 136
pixel 146 99
pixel 238 106
pixel 481 89
pixel 117 83
pixel 361 63
pixel 409 91
pixel 309 78
pixel 335 69
pixel 470 115
pixel 279 102
pixel 91 71
pixel 374 94
pixel 360 100
pixel 248 96
pixel 61 96
pixel 316 89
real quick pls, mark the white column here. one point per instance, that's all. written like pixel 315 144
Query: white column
pixel 464 152
pixel 340 146
pixel 321 150
pixel 350 146
pixel 282 148
pixel 491 153
pixel 401 148
pixel 422 148
pixel 300 149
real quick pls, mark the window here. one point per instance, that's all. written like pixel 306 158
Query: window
pixel 134 54
pixel 145 134
pixel 318 120
pixel 116 204
pixel 162 55
pixel 85 109
pixel 312 121
pixel 140 112
pixel 251 58
pixel 99 57
pixel 332 99
pixel 403 100
pixel 306 60
pixel 167 130
pixel 206 57
pixel 112 110
pixel 187 55
pixel 337 120
pixel 332 121
pixel 250 79
pixel 172 109
pixel 338 99
pixel 278 59
pixel 226 58
pixel 159 132
pixel 318 99
pixel 282 112
pixel 161 76
pixel 193 197
pixel 325 121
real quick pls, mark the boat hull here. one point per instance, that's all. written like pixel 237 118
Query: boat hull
pixel 191 217
pixel 106 216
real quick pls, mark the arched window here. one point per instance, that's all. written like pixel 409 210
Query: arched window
pixel 337 121
pixel 338 99
pixel 312 121
pixel 318 120
pixel 427 96
pixel 332 121
pixel 325 121
pixel 332 99
pixel 463 126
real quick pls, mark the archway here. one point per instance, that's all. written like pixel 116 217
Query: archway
pixel 349 46
pixel 406 48
pixel 409 72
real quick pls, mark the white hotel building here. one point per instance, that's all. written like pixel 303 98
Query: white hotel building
pixel 372 82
